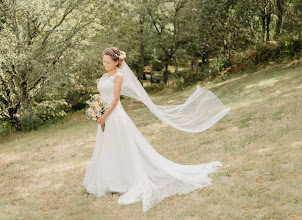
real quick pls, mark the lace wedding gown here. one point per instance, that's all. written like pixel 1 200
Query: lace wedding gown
pixel 124 161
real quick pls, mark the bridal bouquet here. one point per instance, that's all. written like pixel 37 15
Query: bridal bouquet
pixel 97 107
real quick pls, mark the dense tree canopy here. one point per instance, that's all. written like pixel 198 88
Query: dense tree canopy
pixel 50 50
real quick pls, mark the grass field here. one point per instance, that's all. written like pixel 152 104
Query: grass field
pixel 259 143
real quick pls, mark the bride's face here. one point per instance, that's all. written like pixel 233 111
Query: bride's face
pixel 109 63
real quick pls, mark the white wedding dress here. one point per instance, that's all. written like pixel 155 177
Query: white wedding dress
pixel 124 161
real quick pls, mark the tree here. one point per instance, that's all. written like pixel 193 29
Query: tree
pixel 35 37
pixel 168 24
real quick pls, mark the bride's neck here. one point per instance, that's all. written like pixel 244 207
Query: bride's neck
pixel 113 71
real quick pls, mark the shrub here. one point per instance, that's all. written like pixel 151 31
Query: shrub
pixel 155 87
pixel 287 48
pixel 220 64
pixel 76 99
pixel 51 109
pixel 30 123
pixel 5 128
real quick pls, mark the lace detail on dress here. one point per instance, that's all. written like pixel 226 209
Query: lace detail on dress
pixel 113 76
pixel 106 89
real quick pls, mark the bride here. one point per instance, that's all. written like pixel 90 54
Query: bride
pixel 124 162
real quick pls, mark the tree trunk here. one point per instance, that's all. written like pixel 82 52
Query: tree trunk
pixel 142 49
pixel 166 74
pixel 268 21
pixel 280 7
pixel 176 67
pixel 151 78
pixel 205 58
pixel 194 63
pixel 26 109
pixel 263 25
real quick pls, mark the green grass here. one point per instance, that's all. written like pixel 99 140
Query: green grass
pixel 259 143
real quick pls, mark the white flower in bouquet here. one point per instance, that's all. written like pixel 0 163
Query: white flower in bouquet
pixel 97 107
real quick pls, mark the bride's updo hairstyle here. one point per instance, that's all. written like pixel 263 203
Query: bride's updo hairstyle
pixel 115 54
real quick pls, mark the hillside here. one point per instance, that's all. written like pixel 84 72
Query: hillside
pixel 259 143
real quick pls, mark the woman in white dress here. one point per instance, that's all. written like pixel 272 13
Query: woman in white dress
pixel 123 160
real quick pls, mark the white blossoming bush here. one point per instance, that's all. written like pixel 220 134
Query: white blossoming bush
pixel 51 109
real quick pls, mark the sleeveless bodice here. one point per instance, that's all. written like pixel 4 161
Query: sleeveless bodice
pixel 106 89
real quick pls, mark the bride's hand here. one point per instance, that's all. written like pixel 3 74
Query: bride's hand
pixel 101 120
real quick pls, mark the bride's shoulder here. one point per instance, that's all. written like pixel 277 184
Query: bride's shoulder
pixel 118 75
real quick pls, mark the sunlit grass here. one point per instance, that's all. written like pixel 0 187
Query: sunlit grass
pixel 259 143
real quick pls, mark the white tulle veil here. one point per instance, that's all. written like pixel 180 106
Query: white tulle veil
pixel 200 111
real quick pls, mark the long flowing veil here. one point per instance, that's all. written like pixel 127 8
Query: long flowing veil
pixel 200 111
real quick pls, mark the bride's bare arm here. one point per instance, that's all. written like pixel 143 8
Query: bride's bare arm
pixel 118 81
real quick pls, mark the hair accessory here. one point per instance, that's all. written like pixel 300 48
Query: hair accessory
pixel 123 55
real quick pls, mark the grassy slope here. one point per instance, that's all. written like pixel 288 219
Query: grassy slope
pixel 259 143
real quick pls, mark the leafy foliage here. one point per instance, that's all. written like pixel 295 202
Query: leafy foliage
pixel 50 51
